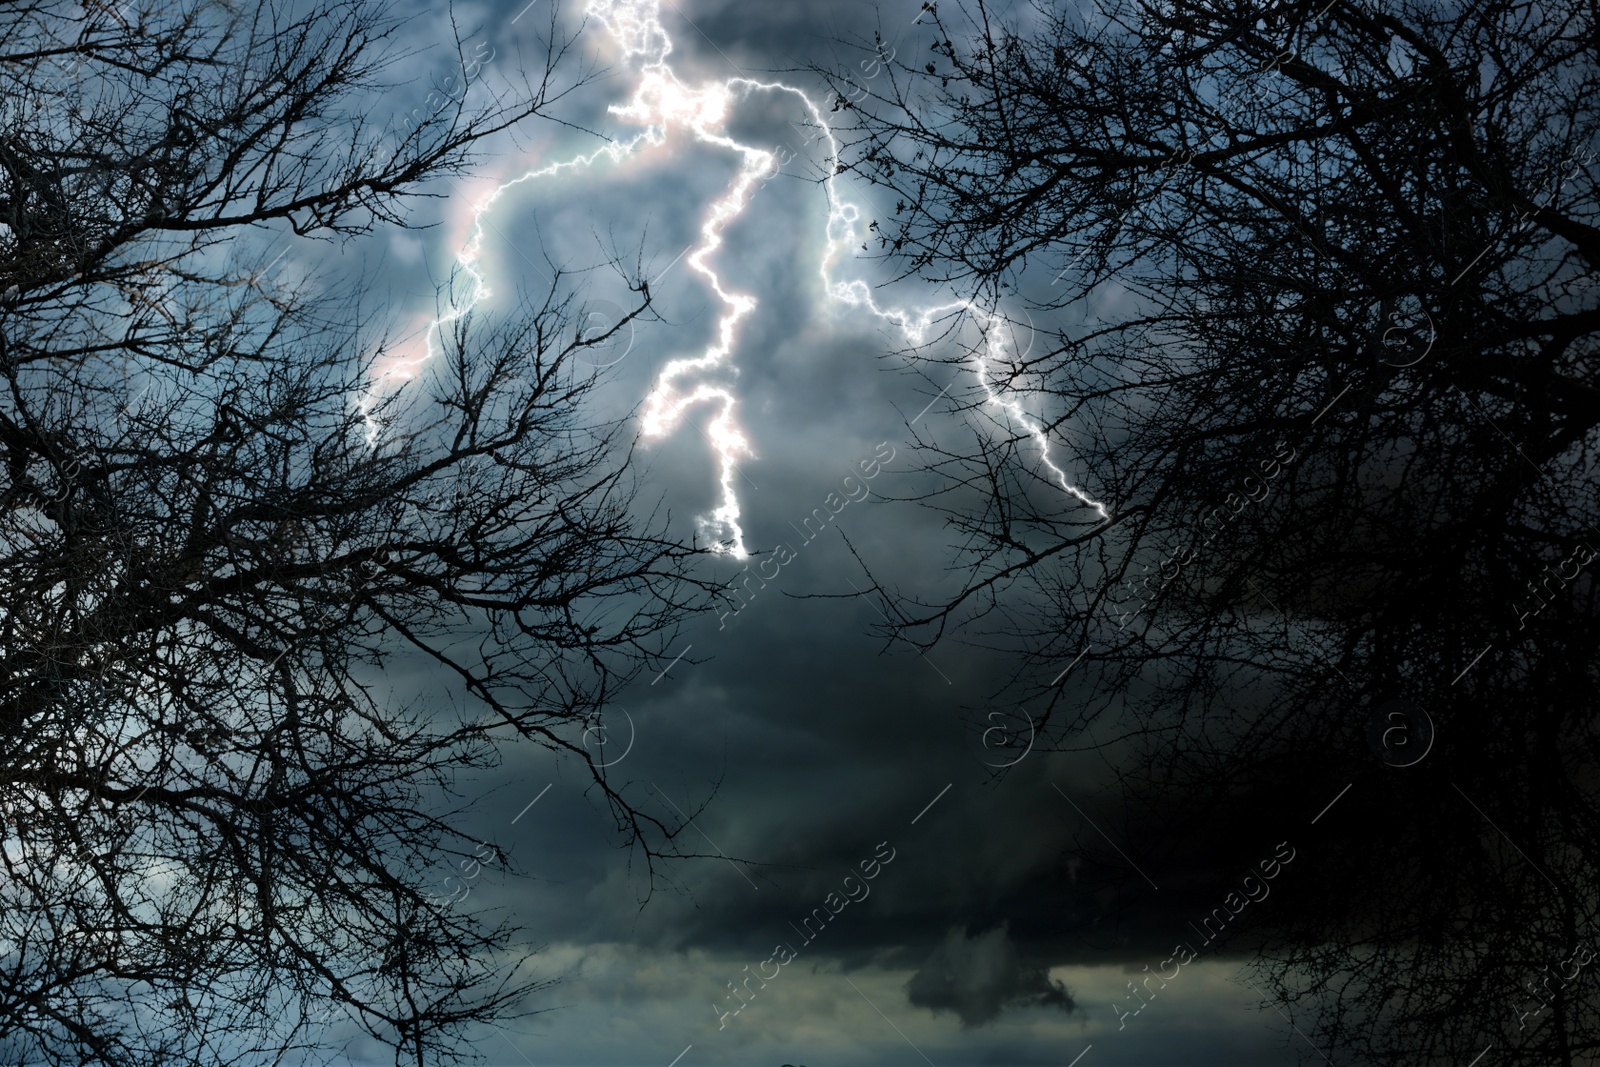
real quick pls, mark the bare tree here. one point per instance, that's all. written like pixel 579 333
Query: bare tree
pixel 1325 342
pixel 222 837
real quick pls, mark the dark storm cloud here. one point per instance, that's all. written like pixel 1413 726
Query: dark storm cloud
pixel 976 976
pixel 757 38
pixel 806 745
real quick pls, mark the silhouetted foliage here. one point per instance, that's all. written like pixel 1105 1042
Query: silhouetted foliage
pixel 1323 336
pixel 222 835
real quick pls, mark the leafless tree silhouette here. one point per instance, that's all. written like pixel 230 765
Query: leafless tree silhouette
pixel 222 836
pixel 1326 341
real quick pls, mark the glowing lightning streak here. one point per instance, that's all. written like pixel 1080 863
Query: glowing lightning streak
pixel 842 233
pixel 402 369
pixel 660 103
pixel 639 21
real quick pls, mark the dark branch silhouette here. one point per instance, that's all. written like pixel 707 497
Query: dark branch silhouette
pixel 222 835
pixel 1314 293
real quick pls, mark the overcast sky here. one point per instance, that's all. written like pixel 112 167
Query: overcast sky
pixel 981 939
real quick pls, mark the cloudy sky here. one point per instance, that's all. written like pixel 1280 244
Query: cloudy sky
pixel 814 758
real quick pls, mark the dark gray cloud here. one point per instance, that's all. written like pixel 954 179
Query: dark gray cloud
pixel 978 976
pixel 810 745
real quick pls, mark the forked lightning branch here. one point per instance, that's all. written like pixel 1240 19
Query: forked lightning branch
pixel 665 107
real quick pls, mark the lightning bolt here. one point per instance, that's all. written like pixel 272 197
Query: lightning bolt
pixel 662 103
